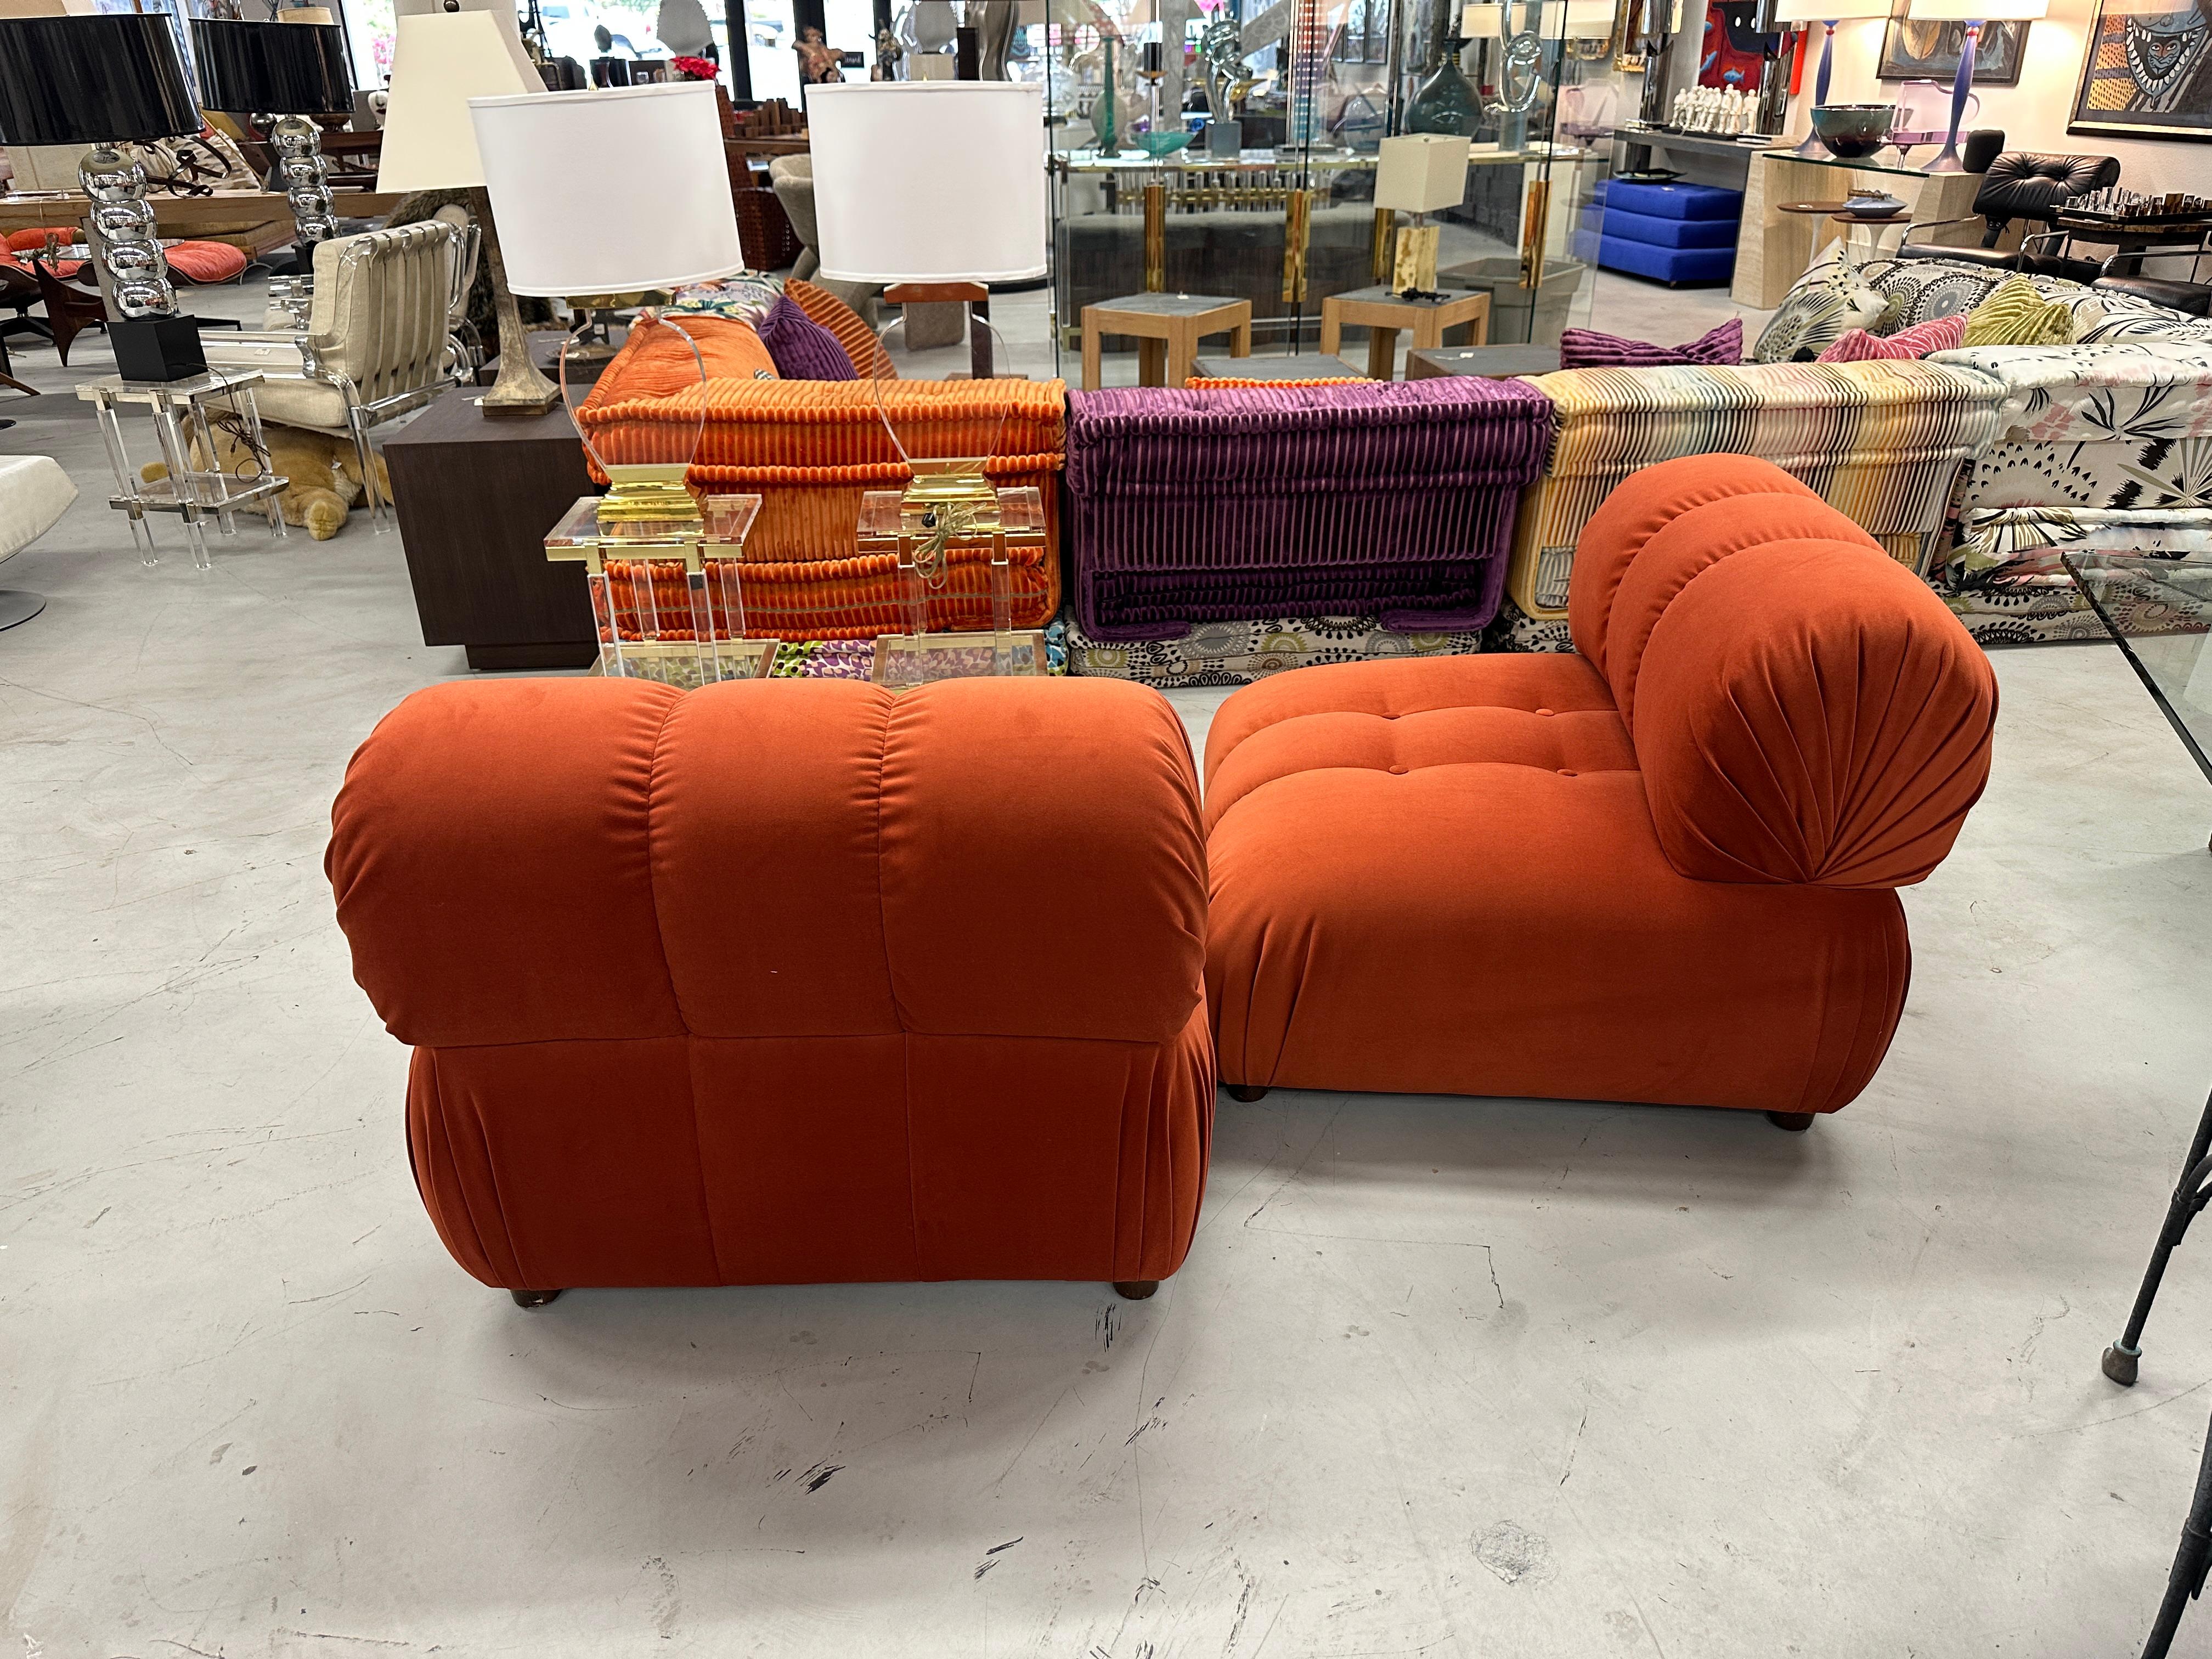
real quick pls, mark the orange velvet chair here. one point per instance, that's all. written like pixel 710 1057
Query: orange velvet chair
pixel 788 982
pixel 1661 870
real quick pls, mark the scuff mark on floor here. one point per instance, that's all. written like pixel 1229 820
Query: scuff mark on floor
pixel 667 1604
pixel 819 1476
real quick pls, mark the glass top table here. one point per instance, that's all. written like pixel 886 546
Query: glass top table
pixel 2160 611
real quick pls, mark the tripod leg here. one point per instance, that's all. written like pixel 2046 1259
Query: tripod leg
pixel 2187 1581
pixel 2121 1359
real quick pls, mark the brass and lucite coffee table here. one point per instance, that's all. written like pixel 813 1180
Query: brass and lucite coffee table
pixel 2159 611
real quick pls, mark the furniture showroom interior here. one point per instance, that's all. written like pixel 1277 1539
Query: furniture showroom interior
pixel 1264 828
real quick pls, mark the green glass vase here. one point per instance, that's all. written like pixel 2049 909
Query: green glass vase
pixel 1445 102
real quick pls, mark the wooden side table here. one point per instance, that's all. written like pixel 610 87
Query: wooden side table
pixel 476 496
pixel 1383 313
pixel 1166 327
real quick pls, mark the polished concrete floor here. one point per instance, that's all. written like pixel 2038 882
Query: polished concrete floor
pixel 1447 1377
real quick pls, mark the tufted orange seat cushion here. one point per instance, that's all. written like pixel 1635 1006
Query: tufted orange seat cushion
pixel 745 986
pixel 1657 871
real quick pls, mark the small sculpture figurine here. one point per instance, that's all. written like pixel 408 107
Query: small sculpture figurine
pixel 819 63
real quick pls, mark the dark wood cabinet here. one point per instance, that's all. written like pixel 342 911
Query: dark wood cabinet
pixel 476 495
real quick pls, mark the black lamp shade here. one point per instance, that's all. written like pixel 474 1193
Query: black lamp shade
pixel 93 80
pixel 274 69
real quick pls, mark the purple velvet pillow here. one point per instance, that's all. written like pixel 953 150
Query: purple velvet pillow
pixel 1585 348
pixel 801 348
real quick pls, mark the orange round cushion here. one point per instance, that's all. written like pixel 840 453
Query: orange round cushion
pixel 206 262
pixel 24 241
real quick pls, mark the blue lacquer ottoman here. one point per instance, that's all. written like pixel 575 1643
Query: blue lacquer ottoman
pixel 1675 201
pixel 1666 264
pixel 1668 232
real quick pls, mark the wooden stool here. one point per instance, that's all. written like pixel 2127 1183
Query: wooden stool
pixel 1383 313
pixel 1166 327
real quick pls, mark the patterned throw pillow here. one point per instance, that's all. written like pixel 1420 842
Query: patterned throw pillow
pixel 1586 348
pixel 802 348
pixel 2016 313
pixel 1943 334
pixel 1827 300
pixel 1916 291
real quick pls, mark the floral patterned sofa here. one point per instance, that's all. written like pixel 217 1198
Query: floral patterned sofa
pixel 2100 446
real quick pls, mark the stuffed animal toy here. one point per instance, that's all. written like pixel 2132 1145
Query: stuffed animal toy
pixel 323 473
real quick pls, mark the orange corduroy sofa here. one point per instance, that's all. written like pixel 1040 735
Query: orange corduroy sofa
pixel 810 449
pixel 1661 870
pixel 747 986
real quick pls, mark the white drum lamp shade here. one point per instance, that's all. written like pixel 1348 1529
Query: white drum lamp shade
pixel 1976 11
pixel 440 60
pixel 1588 19
pixel 609 192
pixel 932 181
pixel 1421 172
pixel 1828 11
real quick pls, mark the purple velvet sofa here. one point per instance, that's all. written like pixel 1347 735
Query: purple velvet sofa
pixel 1358 497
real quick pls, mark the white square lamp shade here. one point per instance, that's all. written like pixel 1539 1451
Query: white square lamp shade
pixel 1976 11
pixel 931 181
pixel 613 192
pixel 439 62
pixel 1421 173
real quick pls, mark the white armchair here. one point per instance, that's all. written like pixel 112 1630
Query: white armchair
pixel 375 345
pixel 35 493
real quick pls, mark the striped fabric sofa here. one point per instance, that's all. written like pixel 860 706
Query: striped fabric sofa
pixel 1315 522
pixel 2098 446
pixel 1882 441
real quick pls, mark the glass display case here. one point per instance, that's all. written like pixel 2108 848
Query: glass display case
pixel 1231 150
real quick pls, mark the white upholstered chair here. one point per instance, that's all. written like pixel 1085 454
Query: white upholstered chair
pixel 35 493
pixel 375 346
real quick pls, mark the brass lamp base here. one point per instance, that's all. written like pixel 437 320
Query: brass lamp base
pixel 643 493
pixel 1413 269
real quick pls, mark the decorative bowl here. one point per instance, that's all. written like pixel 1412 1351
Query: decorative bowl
pixel 1156 144
pixel 1853 130
pixel 1873 204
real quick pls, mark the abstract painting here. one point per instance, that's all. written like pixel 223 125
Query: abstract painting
pixel 2147 74
pixel 1913 50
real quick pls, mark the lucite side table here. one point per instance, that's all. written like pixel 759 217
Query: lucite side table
pixel 668 595
pixel 959 548
pixel 184 411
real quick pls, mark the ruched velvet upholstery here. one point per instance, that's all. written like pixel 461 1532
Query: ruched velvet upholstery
pixel 1658 870
pixel 749 985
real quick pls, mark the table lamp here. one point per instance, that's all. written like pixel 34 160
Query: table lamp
pixel 104 80
pixel 1973 14
pixel 440 61
pixel 1418 174
pixel 937 189
pixel 1828 13
pixel 668 226
pixel 290 71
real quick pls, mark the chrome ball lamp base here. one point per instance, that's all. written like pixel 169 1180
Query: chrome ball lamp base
pixel 151 341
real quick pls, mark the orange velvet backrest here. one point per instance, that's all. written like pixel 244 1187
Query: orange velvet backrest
pixel 1803 708
pixel 556 859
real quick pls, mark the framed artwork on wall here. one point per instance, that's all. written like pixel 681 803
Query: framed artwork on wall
pixel 2147 74
pixel 1915 48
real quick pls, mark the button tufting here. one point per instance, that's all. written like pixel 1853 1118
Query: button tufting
pixel 1544 711
pixel 1564 773
pixel 1397 771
